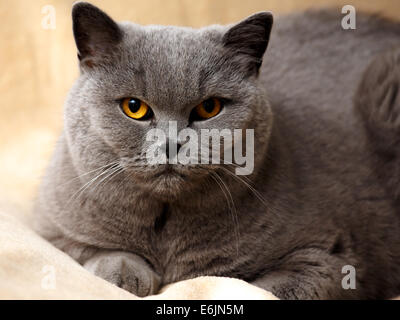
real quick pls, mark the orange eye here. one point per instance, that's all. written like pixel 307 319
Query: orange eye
pixel 136 109
pixel 208 108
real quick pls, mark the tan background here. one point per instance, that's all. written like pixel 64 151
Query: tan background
pixel 38 66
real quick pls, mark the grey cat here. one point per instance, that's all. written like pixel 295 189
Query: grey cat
pixel 319 198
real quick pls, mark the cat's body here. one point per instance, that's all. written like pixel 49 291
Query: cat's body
pixel 318 206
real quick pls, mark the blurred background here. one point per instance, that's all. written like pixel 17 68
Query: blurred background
pixel 38 65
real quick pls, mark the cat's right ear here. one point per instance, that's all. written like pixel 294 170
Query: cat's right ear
pixel 96 34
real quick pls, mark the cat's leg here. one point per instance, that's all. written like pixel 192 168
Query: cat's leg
pixel 308 274
pixel 377 101
pixel 124 269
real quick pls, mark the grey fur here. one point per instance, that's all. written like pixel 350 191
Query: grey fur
pixel 319 203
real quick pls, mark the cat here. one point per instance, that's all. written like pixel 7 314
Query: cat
pixel 315 201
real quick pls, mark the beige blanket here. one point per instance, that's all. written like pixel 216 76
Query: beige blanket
pixel 31 268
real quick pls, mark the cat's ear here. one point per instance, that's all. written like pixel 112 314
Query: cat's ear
pixel 249 39
pixel 96 34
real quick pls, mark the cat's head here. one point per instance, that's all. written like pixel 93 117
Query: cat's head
pixel 134 79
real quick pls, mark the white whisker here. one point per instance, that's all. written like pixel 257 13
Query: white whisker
pixel 81 190
pixel 231 205
pixel 251 188
pixel 89 172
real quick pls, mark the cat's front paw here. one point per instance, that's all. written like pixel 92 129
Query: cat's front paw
pixel 126 270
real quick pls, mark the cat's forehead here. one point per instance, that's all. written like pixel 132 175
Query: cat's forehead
pixel 172 43
pixel 172 34
pixel 173 60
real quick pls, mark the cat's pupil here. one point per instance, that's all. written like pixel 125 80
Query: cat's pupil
pixel 134 105
pixel 209 105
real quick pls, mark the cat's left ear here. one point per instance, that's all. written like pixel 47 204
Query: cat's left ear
pixel 96 34
pixel 248 40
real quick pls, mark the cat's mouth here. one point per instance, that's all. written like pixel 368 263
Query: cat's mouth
pixel 169 181
pixel 168 170
pixel 166 182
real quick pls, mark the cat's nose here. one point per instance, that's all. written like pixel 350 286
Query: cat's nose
pixel 171 152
